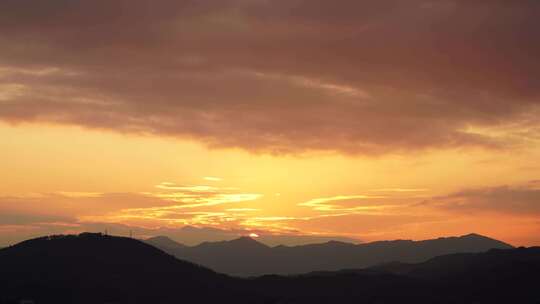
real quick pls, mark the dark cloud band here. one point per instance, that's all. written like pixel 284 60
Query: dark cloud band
pixel 364 77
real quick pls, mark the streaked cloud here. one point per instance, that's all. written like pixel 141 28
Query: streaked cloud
pixel 400 190
pixel 523 200
pixel 213 216
pixel 242 209
pixel 193 189
pixel 331 204
pixel 72 204
pixel 193 201
pixel 80 194
pixel 173 186
pixel 186 205
pixel 212 179
pixel 20 218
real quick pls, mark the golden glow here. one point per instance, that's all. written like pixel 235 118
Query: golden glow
pixel 100 177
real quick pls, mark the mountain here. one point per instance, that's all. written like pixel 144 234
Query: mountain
pixel 191 236
pixel 495 276
pixel 242 243
pixel 164 243
pixel 95 268
pixel 494 261
pixel 247 257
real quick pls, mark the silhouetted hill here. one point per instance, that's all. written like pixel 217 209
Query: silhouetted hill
pixel 247 257
pixel 92 268
pixel 463 264
pixel 496 276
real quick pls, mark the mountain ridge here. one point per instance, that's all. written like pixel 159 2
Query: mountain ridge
pixel 164 242
pixel 97 264
pixel 94 268
pixel 246 256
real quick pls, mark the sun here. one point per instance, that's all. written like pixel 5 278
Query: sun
pixel 253 235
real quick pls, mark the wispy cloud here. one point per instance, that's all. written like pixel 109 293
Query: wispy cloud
pixel 400 190
pixel 212 178
pixel 242 209
pixel 188 205
pixel 364 216
pixel 193 189
pixel 522 200
pixel 194 201
pixel 331 204
pixel 80 194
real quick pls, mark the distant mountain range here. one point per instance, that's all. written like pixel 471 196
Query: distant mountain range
pixel 247 257
pixel 164 243
pixel 94 268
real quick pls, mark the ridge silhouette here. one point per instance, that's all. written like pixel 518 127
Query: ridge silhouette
pixel 59 268
pixel 94 268
pixel 164 242
pixel 248 257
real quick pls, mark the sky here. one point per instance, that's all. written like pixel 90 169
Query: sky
pixel 299 120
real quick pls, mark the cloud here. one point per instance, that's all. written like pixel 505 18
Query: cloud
pixel 183 205
pixel 169 207
pixel 364 225
pixel 361 77
pixel 209 216
pixel 198 196
pixel 510 200
pixel 401 190
pixel 12 218
pixel 332 204
pixel 77 203
pixel 81 194
pixel 212 179
pixel 242 209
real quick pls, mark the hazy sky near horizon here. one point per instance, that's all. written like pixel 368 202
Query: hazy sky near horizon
pixel 367 120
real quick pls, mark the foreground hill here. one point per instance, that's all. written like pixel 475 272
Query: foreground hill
pixel 247 257
pixel 496 276
pixel 93 268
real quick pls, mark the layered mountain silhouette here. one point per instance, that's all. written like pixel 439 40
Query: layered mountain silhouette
pixel 94 268
pixel 247 257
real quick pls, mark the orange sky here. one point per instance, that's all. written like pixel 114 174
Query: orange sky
pixel 364 120
pixel 59 178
